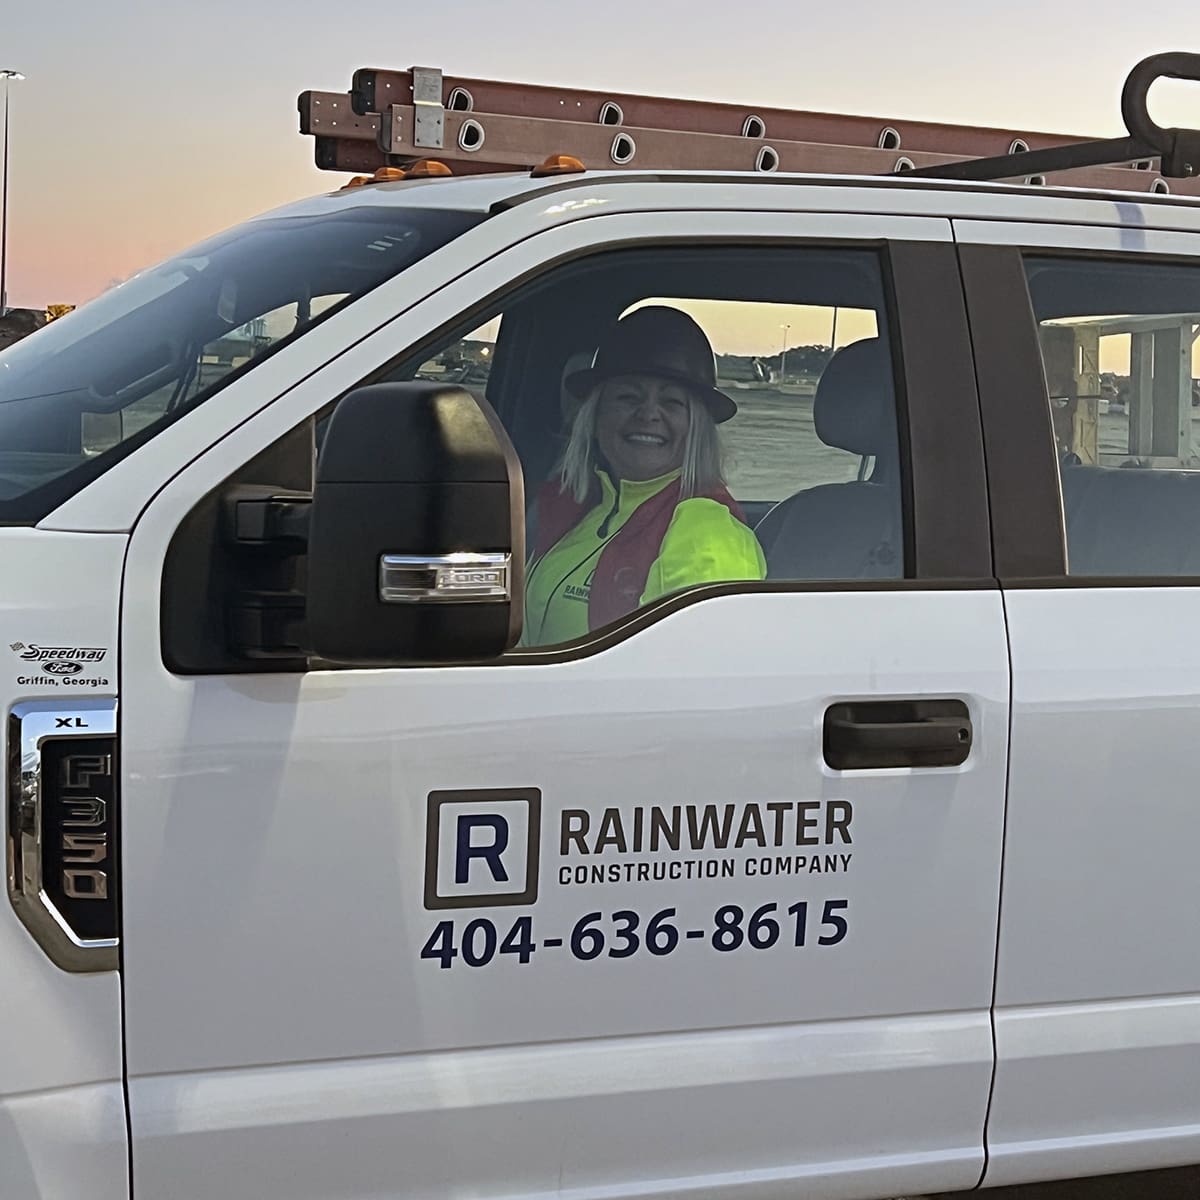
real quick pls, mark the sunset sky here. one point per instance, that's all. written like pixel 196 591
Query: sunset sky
pixel 145 126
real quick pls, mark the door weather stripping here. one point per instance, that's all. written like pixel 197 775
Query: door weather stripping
pixel 62 846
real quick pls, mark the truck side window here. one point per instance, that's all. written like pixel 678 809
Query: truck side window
pixel 466 360
pixel 1119 348
pixel 785 464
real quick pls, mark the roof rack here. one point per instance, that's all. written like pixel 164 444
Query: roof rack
pixel 1177 150
pixel 391 120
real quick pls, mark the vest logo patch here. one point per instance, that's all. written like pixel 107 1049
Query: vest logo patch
pixel 575 591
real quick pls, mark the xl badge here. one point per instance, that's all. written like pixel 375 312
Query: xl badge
pixel 481 847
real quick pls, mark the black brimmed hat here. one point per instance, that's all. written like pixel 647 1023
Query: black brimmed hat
pixel 657 341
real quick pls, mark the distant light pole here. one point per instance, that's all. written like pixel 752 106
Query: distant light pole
pixel 783 350
pixel 8 77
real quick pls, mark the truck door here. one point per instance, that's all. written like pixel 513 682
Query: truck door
pixel 704 899
pixel 1090 411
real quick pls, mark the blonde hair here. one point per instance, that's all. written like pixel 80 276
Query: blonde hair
pixel 700 471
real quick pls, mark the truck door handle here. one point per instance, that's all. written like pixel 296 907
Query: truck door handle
pixel 897 733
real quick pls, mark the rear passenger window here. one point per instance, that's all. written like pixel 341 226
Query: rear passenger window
pixel 1119 347
pixel 691 416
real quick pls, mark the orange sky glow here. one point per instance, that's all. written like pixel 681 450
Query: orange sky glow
pixel 155 125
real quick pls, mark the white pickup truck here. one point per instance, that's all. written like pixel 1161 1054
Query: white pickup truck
pixel 874 875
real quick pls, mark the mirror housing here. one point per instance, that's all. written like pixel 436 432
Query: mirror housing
pixel 416 546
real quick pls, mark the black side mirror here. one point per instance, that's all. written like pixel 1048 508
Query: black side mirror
pixel 416 544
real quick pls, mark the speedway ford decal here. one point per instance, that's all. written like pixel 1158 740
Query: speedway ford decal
pixel 484 849
pixel 60 666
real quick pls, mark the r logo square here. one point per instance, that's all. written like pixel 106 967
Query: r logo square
pixel 481 847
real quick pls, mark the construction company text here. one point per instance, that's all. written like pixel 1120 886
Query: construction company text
pixel 677 842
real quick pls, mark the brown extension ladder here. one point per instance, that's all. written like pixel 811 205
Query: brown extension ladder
pixel 398 118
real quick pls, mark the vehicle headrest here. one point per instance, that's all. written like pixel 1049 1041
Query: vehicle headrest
pixel 854 408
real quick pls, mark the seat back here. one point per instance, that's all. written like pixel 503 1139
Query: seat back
pixel 1132 521
pixel 845 530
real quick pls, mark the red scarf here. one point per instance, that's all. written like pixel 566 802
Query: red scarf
pixel 624 564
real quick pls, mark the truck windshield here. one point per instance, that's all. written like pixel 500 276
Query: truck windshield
pixel 88 388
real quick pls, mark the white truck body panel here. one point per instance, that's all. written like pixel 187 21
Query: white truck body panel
pixel 582 1119
pixel 62 1108
pixel 1098 978
pixel 330 991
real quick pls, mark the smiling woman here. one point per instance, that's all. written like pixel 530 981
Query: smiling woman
pixel 639 508
pixel 642 425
